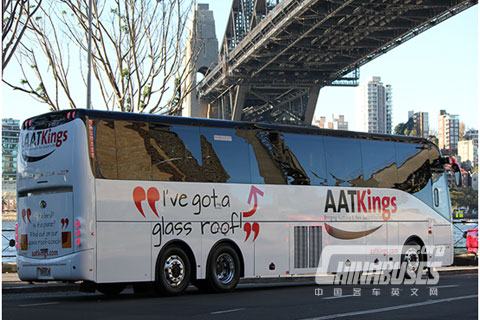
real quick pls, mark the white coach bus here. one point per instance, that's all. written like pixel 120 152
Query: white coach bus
pixel 114 198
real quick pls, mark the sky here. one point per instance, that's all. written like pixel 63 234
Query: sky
pixel 435 70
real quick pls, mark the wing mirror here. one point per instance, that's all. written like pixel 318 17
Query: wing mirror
pixel 457 174
pixel 455 168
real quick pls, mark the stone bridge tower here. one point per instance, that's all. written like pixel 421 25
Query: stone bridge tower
pixel 201 55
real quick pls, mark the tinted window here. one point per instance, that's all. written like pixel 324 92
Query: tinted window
pixel 413 166
pixel 105 150
pixel 133 157
pixel 344 162
pixel 379 165
pixel 225 156
pixel 287 158
pixel 308 159
pixel 256 156
pixel 175 153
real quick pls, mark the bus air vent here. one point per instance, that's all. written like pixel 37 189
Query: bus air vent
pixel 307 246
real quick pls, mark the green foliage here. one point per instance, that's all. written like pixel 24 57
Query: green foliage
pixel 433 139
pixel 464 197
pixel 125 73
pixel 42 93
pixel 405 128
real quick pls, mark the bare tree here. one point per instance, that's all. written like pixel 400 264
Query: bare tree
pixel 137 54
pixel 16 15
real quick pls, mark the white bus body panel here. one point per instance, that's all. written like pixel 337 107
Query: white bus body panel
pixel 59 174
pixel 200 214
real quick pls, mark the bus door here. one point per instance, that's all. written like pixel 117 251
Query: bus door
pixel 442 226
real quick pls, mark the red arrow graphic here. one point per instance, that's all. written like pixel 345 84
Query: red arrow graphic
pixel 253 194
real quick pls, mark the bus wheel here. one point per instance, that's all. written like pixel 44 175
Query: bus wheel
pixel 223 271
pixel 173 271
pixel 413 258
pixel 111 289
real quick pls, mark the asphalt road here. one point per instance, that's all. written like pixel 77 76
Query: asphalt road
pixel 456 298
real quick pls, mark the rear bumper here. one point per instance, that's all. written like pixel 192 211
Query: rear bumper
pixel 72 267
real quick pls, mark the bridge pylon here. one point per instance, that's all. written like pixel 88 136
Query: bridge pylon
pixel 201 56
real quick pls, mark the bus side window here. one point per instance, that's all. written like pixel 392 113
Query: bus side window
pixel 175 153
pixel 413 166
pixel 133 159
pixel 283 158
pixel 379 165
pixel 225 156
pixel 344 162
pixel 105 150
pixel 307 159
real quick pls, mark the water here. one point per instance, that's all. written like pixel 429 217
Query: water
pixel 458 230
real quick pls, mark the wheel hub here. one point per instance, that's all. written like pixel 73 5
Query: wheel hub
pixel 413 259
pixel 225 268
pixel 174 270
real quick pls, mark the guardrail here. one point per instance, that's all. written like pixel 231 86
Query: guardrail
pixel 11 243
pixel 464 232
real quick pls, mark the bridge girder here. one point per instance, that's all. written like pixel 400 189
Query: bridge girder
pixel 280 53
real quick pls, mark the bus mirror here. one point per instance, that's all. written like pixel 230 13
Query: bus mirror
pixel 455 169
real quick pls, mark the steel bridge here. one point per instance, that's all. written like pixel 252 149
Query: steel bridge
pixel 277 55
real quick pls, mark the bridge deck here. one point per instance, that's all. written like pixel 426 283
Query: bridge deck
pixel 302 44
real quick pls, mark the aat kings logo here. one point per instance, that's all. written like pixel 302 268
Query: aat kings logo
pixel 40 140
pixel 360 201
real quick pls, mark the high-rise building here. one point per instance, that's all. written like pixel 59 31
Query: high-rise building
pixel 471 134
pixel 448 132
pixel 336 123
pixel 10 136
pixel 374 107
pixel 468 151
pixel 468 147
pixel 420 122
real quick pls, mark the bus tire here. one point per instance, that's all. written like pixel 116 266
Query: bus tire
pixel 173 271
pixel 223 272
pixel 110 289
pixel 413 257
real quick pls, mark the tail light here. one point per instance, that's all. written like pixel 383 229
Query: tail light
pixel 77 232
pixel 17 237
pixel 71 115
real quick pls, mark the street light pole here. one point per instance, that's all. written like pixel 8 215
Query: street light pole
pixel 89 58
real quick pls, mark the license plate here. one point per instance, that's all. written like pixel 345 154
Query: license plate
pixel 44 272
